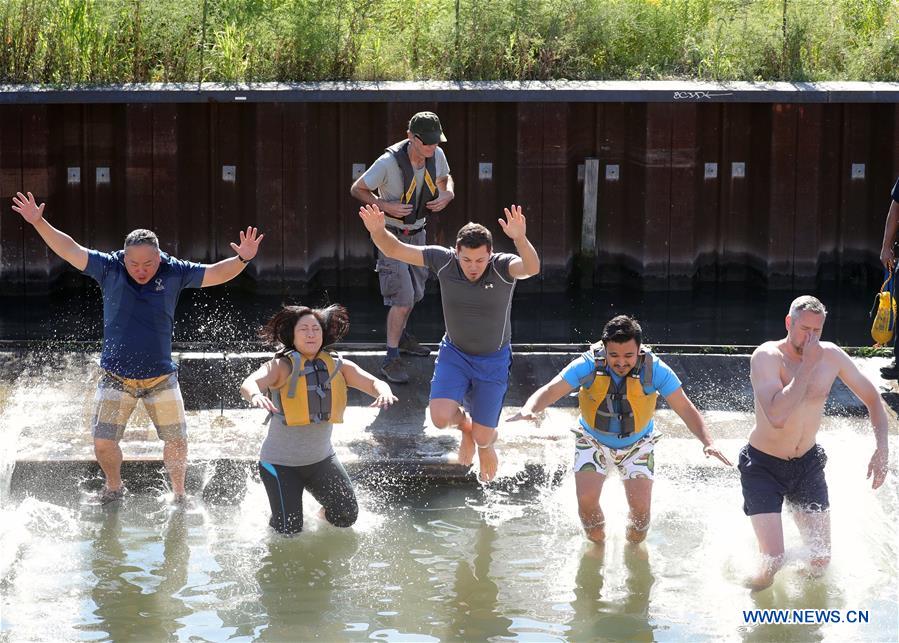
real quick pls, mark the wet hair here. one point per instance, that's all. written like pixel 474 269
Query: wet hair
pixel 474 235
pixel 809 303
pixel 278 331
pixel 142 237
pixel 622 329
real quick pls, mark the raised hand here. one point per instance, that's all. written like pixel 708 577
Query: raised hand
pixel 372 217
pixel 249 244
pixel 28 207
pixel 515 225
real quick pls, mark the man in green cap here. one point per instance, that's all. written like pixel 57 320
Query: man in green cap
pixel 410 180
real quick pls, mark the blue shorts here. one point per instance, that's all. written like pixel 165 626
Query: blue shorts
pixel 767 481
pixel 479 382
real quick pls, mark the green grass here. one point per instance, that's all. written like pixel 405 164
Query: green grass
pixel 117 41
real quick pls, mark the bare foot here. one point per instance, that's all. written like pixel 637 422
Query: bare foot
pixel 597 535
pixel 488 461
pixel 764 577
pixel 759 582
pixel 467 446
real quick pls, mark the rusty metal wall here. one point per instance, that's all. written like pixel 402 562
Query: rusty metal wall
pixel 795 216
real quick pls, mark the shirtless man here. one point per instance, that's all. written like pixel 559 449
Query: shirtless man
pixel 791 379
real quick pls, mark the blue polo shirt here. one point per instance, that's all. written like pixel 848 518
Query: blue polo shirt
pixel 138 320
pixel 664 381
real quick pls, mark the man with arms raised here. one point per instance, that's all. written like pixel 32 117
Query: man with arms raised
pixel 140 287
pixel 476 287
pixel 791 379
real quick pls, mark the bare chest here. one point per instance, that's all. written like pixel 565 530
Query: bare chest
pixel 821 381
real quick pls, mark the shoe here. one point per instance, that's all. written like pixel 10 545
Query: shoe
pixel 107 496
pixel 890 371
pixel 410 346
pixel 394 371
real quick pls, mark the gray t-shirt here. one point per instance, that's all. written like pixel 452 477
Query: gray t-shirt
pixel 385 176
pixel 296 446
pixel 476 313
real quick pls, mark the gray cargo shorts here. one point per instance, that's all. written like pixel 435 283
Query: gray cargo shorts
pixel 402 284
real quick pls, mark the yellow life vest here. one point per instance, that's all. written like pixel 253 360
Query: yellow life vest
pixel 314 392
pixel 884 314
pixel 597 398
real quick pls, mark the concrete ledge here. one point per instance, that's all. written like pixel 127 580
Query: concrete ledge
pixel 210 380
pixel 46 400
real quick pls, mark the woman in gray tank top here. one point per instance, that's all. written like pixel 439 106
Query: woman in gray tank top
pixel 304 390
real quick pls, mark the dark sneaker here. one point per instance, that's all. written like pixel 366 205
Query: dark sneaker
pixel 890 372
pixel 107 495
pixel 394 371
pixel 410 346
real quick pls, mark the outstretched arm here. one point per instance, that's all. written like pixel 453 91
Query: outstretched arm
pixel 228 269
pixel 545 396
pixel 867 393
pixel 367 383
pixel 527 264
pixel 272 374
pixel 681 404
pixel 392 247
pixel 59 242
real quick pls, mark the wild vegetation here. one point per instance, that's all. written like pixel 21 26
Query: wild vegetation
pixel 125 41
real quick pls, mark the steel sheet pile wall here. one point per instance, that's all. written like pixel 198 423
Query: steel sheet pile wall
pixel 704 192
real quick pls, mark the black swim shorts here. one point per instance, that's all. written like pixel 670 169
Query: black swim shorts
pixel 767 481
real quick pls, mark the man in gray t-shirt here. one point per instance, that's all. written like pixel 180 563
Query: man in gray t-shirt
pixel 412 180
pixel 476 287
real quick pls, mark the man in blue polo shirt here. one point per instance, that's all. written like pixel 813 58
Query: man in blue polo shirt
pixel 618 383
pixel 140 287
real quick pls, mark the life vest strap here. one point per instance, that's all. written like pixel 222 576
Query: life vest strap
pixel 322 389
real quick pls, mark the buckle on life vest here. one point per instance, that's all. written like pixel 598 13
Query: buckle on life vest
pixel 403 231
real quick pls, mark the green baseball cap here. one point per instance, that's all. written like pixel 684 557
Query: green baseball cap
pixel 426 126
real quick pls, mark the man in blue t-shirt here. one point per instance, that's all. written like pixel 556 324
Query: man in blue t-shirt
pixel 140 287
pixel 618 383
pixel 888 259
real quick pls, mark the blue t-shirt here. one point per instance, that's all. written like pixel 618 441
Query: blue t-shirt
pixel 138 320
pixel 664 381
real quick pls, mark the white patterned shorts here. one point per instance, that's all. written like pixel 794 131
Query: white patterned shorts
pixel 634 462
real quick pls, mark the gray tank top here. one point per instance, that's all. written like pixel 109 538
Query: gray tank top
pixel 296 446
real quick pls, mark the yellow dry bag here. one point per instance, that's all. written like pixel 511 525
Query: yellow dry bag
pixel 884 314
